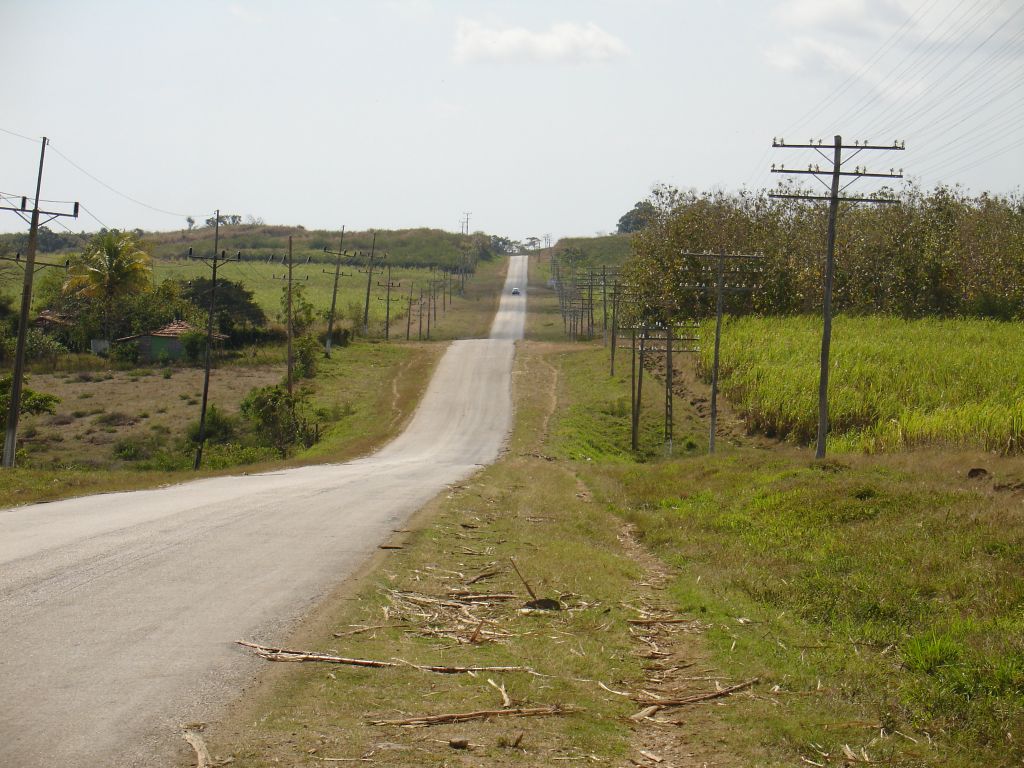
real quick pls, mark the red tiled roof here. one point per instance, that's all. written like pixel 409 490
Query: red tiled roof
pixel 173 330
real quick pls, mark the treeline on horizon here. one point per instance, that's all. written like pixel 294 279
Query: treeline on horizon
pixel 941 253
pixel 420 247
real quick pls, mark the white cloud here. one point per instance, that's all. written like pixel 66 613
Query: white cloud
pixel 562 42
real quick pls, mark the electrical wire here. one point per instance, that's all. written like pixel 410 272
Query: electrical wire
pixel 115 191
pixel 93 215
pixel 908 62
pixel 19 135
pixel 979 69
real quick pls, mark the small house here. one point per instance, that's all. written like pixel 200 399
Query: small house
pixel 164 344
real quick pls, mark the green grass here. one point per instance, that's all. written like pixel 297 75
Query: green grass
pixel 603 250
pixel 875 592
pixel 894 384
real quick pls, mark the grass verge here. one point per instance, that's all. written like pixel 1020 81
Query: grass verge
pixel 877 600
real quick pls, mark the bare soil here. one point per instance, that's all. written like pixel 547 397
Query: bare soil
pixel 100 408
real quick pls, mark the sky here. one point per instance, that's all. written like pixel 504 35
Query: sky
pixel 534 117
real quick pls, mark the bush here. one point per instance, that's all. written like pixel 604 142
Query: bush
pixel 125 352
pixel 274 416
pixel 194 344
pixel 220 427
pixel 31 402
pixel 307 353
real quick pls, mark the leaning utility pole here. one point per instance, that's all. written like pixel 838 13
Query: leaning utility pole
pixel 17 377
pixel 340 253
pixel 214 262
pixel 834 199
pixel 369 282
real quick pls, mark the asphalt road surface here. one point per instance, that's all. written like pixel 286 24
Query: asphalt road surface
pixel 118 612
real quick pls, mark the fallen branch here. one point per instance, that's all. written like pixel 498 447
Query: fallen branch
pixel 284 654
pixel 699 697
pixel 644 622
pixel 447 670
pixel 482 714
pixel 533 595
pixel 482 576
pixel 193 737
pixel 506 702
pixel 369 628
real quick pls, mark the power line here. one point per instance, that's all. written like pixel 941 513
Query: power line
pixel 19 135
pixel 118 192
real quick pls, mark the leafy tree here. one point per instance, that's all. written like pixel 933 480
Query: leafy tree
pixel 302 311
pixel 32 402
pixel 532 243
pixel 236 307
pixel 642 214
pixel 114 264
pixel 191 223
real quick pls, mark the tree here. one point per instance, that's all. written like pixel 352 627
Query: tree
pixel 235 305
pixel 642 214
pixel 114 264
pixel 532 243
pixel 191 222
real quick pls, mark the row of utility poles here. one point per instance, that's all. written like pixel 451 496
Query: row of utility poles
pixel 664 329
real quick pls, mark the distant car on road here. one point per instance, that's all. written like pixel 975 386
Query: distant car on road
pixel 515 291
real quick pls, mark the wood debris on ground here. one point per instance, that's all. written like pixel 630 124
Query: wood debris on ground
pixel 482 714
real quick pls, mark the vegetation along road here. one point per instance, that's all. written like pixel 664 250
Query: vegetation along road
pixel 158 584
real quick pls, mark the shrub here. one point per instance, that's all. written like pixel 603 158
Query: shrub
pixel 307 353
pixel 194 344
pixel 125 352
pixel 220 427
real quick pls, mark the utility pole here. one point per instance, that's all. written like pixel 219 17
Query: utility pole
pixel 214 262
pixel 18 376
pixel 834 198
pixel 340 253
pixel 408 312
pixel 419 315
pixel 388 285
pixel 369 283
pixel 288 309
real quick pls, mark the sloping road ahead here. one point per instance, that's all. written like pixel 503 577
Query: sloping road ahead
pixel 118 612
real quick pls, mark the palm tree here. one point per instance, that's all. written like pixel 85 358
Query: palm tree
pixel 113 264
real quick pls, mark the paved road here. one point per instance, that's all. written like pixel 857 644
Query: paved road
pixel 118 612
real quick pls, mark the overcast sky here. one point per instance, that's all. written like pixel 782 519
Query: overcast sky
pixel 537 116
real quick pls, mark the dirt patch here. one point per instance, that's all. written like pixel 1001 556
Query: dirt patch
pixel 101 408
pixel 676 666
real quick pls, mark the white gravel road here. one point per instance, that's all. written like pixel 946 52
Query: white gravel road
pixel 118 612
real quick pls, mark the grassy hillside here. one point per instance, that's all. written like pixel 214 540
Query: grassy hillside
pixel 894 383
pixel 606 250
pixel 407 247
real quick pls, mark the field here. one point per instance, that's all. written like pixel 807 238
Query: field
pixel 894 384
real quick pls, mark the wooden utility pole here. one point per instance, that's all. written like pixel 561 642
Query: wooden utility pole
pixel 834 198
pixel 369 283
pixel 291 358
pixel 388 285
pixel 214 262
pixel 408 313
pixel 340 253
pixel 18 375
